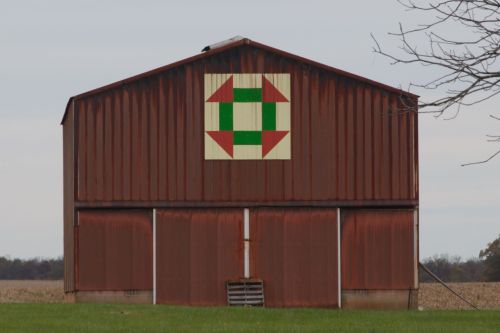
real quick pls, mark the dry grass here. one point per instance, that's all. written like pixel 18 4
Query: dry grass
pixel 483 295
pixel 31 291
pixel 431 296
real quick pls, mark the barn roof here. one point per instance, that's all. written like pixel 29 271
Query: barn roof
pixel 236 42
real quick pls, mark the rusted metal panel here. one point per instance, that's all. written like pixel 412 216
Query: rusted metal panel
pixel 348 142
pixel 295 252
pixel 114 250
pixel 377 249
pixel 197 251
pixel 227 204
pixel 69 196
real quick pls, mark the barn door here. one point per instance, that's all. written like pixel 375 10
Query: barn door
pixel 197 251
pixel 295 252
pixel 114 250
pixel 378 249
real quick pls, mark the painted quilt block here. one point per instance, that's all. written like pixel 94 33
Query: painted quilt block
pixel 247 116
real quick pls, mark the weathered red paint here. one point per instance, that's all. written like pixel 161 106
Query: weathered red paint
pixel 377 249
pixel 197 251
pixel 143 141
pixel 295 252
pixel 114 250
pixel 69 199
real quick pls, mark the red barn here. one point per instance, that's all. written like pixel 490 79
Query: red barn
pixel 244 174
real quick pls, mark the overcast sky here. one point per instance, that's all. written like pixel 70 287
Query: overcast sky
pixel 51 50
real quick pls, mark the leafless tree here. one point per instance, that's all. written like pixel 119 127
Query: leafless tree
pixel 468 70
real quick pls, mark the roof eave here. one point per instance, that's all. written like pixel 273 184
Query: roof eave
pixel 156 71
pixel 66 110
pixel 333 69
pixel 230 46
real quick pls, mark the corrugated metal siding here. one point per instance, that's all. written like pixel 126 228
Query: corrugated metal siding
pixel 143 142
pixel 115 250
pixel 295 252
pixel 69 196
pixel 377 249
pixel 197 252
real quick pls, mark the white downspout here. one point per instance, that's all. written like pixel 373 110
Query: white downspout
pixel 415 247
pixel 154 255
pixel 339 261
pixel 246 239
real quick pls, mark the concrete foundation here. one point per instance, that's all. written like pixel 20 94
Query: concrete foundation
pixel 380 299
pixel 351 299
pixel 125 297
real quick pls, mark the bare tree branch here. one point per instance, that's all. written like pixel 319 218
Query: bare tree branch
pixel 481 162
pixel 467 69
